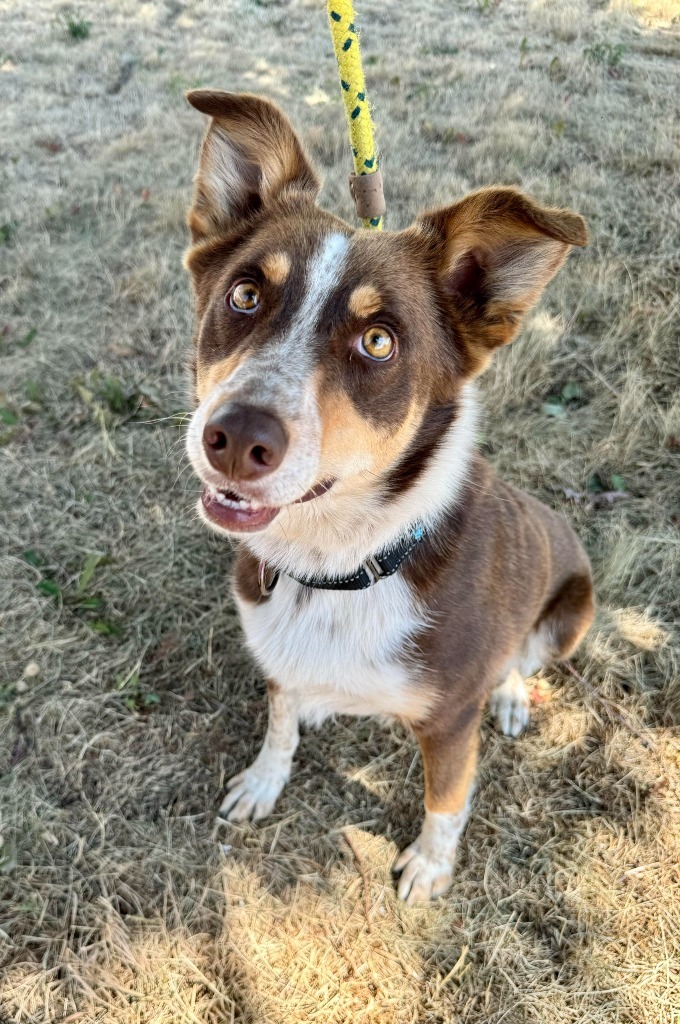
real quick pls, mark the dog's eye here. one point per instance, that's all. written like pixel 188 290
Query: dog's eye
pixel 244 297
pixel 377 343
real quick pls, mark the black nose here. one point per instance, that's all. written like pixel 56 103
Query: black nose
pixel 244 442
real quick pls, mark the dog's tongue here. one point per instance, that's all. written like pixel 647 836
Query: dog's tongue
pixel 233 517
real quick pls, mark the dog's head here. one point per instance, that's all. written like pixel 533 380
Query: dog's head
pixel 329 360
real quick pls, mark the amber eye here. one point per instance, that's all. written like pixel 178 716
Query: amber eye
pixel 244 297
pixel 377 343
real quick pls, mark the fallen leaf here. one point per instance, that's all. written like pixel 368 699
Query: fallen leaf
pixel 167 645
pixel 607 498
pixel 122 351
pixel 49 588
pixel 28 337
pixel 33 558
pixel 91 562
pixel 18 752
pixel 573 495
pixel 9 418
pixel 51 145
pixel 105 627
pixel 571 390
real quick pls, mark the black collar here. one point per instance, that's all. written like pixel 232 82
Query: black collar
pixel 374 569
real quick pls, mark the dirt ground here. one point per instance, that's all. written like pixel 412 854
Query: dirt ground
pixel 126 697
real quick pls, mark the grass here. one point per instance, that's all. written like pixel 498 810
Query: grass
pixel 126 696
pixel 77 28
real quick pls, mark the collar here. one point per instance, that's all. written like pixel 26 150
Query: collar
pixel 371 571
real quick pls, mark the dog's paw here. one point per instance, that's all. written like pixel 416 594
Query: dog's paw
pixel 426 865
pixel 253 792
pixel 423 876
pixel 509 705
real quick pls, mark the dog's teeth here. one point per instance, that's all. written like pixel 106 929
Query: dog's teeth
pixel 242 503
pixel 222 498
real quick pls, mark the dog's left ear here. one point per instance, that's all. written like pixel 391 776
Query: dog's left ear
pixel 250 155
pixel 496 250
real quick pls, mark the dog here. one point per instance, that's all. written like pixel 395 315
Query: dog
pixel 382 568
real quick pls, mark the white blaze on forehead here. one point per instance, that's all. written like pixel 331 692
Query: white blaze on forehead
pixel 273 374
pixel 323 272
pixel 281 371
pixel 279 376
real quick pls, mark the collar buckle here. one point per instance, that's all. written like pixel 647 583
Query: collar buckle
pixel 374 569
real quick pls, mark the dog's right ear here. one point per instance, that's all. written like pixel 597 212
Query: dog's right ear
pixel 250 154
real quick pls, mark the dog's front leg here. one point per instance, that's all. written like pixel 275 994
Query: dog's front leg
pixel 253 793
pixel 449 752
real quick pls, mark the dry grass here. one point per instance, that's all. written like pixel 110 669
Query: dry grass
pixel 121 902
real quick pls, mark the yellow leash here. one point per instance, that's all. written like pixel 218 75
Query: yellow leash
pixel 366 182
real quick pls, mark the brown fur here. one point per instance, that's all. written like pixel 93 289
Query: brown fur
pixel 449 760
pixel 501 568
pixel 538 575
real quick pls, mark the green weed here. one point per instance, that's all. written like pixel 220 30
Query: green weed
pixel 605 53
pixel 488 6
pixel 112 399
pixel 77 28
pixel 523 51
pixel 78 598
pixel 556 70
pixel 9 424
pixel 28 337
pixel 558 404
pixel 135 696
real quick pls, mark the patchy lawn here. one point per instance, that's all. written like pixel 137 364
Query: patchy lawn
pixel 126 697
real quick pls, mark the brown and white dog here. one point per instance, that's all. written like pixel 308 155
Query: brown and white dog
pixel 335 435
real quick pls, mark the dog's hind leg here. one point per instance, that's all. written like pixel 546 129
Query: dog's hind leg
pixel 253 793
pixel 561 627
pixel 509 704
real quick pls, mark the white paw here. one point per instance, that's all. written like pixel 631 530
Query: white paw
pixel 509 705
pixel 423 876
pixel 253 793
pixel 427 864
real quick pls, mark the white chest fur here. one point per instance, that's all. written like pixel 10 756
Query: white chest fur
pixel 340 652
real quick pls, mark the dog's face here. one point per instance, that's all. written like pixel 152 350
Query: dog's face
pixel 330 360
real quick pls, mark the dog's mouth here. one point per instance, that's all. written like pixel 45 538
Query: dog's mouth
pixel 231 511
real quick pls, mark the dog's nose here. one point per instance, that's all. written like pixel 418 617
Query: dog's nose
pixel 244 442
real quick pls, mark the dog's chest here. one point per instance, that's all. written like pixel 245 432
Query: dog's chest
pixel 342 652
